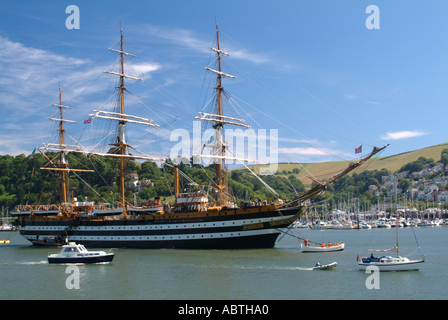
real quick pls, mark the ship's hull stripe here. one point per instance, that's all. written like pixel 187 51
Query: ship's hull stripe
pixel 264 238
pixel 136 233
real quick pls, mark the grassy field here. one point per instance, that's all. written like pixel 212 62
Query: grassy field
pixel 324 170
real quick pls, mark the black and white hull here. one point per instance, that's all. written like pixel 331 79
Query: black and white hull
pixel 255 229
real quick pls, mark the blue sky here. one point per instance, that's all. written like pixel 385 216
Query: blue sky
pixel 308 68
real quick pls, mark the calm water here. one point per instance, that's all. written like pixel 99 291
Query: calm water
pixel 280 273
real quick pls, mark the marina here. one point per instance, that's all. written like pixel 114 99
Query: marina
pixel 280 273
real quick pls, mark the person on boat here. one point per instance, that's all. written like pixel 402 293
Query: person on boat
pixel 329 244
pixel 306 242
pixel 323 245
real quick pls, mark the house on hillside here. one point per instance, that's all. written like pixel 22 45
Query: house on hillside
pixel 438 167
pixel 430 187
pixel 432 196
pixel 374 190
pixel 403 175
pixel 131 181
pixel 442 197
pixel 413 193
pixel 143 184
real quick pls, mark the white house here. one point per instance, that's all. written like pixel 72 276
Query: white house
pixel 442 197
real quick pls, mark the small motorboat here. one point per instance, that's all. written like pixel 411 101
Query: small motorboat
pixel 318 266
pixel 76 253
pixel 323 248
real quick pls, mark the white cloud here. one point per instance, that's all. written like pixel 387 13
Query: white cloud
pixel 189 39
pixel 349 96
pixel 302 151
pixel 402 135
pixel 28 74
pixel 142 69
pixel 29 84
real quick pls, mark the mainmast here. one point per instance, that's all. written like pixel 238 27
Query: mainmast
pixel 121 142
pixel 62 161
pixel 219 126
pixel 122 118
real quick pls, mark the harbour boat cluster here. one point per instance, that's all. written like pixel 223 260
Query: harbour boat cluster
pixel 369 224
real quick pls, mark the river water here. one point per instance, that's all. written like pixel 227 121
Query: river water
pixel 281 273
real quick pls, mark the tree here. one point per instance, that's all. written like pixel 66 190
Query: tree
pixel 444 158
pixel 404 184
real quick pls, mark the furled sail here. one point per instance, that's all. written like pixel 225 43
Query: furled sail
pixel 394 249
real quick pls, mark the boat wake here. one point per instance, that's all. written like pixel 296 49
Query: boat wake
pixel 12 263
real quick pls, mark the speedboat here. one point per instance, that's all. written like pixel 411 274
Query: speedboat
pixel 76 253
pixel 318 266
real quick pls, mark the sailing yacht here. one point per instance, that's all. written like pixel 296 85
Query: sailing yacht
pixel 196 220
pixel 389 263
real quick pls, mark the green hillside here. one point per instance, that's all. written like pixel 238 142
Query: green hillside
pixel 324 170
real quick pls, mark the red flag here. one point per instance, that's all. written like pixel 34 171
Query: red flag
pixel 358 150
pixel 32 155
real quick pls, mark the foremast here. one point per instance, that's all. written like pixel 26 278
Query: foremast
pixel 61 146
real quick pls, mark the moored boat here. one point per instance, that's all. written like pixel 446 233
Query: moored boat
pixel 323 248
pixel 389 263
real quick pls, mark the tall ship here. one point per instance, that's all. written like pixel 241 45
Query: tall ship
pixel 200 219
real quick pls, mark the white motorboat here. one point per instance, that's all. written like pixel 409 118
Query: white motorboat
pixel 319 225
pixel 323 248
pixel 318 266
pixel 76 253
pixel 343 226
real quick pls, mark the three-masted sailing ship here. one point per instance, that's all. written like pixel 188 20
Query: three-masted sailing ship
pixel 192 222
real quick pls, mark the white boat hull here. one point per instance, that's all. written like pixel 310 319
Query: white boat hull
pixel 336 247
pixel 392 264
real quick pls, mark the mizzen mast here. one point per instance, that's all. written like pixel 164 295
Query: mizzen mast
pixel 219 119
